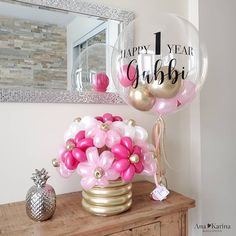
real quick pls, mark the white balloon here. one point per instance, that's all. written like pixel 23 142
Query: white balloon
pixel 140 133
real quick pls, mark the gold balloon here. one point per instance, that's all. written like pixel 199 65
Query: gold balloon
pixel 140 98
pixel 167 89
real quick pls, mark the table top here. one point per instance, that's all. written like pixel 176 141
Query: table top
pixel 71 219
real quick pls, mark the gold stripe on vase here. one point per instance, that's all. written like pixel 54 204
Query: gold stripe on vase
pixel 111 200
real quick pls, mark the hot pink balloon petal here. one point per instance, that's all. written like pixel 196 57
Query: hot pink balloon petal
pixel 124 74
pixel 137 150
pixel 117 118
pixel 138 167
pixel 79 136
pixel 70 162
pixel 85 143
pixel 120 151
pixel 128 174
pixel 128 143
pixel 107 117
pixel 79 155
pixel 121 165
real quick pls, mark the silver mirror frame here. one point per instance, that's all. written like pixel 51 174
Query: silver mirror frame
pixel 31 95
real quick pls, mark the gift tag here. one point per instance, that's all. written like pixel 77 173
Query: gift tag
pixel 160 193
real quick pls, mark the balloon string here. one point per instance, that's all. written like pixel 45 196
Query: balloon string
pixel 158 139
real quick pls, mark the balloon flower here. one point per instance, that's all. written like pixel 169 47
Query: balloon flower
pixel 105 148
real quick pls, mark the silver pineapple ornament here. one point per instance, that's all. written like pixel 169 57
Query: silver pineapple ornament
pixel 40 198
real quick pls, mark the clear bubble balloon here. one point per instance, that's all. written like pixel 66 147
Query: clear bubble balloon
pixel 161 68
pixel 92 69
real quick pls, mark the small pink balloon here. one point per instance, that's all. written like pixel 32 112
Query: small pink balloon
pixel 128 174
pixel 121 165
pixel 100 82
pixel 100 118
pixel 85 143
pixel 107 117
pixel 165 106
pixel 79 136
pixel 112 138
pixel 124 73
pixel 120 151
pixel 188 92
pixel 79 155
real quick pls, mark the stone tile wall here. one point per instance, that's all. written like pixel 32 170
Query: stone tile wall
pixel 32 54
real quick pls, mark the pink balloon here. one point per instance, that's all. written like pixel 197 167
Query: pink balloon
pixel 123 76
pixel 165 106
pixel 120 151
pixel 121 165
pixel 128 143
pixel 128 174
pixel 188 92
pixel 79 155
pixel 99 139
pixel 79 136
pixel 63 171
pixel 100 82
pixel 112 138
pixel 85 143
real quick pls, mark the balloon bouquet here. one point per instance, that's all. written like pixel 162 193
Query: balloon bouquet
pixel 160 71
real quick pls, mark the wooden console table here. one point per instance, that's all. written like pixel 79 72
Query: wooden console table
pixel 145 218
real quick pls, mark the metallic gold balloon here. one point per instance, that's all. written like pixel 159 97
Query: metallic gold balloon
pixel 167 89
pixel 140 98
pixel 55 162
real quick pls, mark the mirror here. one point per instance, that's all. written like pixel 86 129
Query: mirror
pixel 42 40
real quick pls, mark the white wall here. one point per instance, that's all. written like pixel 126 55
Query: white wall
pixel 32 133
pixel 218 114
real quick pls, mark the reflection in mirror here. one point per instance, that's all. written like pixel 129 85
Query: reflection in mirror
pixel 39 46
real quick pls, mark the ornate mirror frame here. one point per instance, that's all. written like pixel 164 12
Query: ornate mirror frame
pixel 33 95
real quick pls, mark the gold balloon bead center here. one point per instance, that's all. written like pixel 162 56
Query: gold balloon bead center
pixel 98 173
pixel 131 122
pixel 70 146
pixel 104 127
pixel 55 162
pixel 134 158
pixel 78 119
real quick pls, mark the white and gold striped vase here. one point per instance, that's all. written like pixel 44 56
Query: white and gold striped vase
pixel 106 201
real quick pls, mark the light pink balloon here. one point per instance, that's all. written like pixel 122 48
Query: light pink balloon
pixel 123 78
pixel 188 92
pixel 100 82
pixel 112 138
pixel 106 159
pixel 99 139
pixel 63 171
pixel 88 182
pixel 165 106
